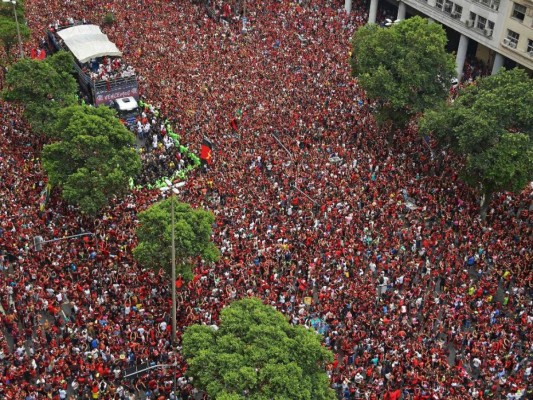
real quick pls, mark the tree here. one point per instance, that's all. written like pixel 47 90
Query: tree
pixel 43 87
pixel 9 36
pixel 6 10
pixel 109 19
pixel 404 68
pixel 192 231
pixel 8 27
pixel 256 354
pixel 94 159
pixel 490 124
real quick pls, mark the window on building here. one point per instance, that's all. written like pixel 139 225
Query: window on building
pixel 494 4
pixel 490 25
pixel 530 46
pixel 519 11
pixel 458 11
pixel 439 4
pixel 481 22
pixel 472 16
pixel 513 37
pixel 448 5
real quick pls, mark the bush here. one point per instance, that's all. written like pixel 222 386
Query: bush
pixel 109 19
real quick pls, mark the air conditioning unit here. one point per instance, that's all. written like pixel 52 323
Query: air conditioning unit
pixel 456 15
pixel 506 42
pixel 487 32
pixel 494 6
pixel 469 23
pixel 530 12
pixel 530 53
pixel 512 45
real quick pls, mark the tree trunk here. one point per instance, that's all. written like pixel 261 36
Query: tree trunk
pixel 484 203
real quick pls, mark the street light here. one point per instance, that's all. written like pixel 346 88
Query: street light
pixel 38 241
pixel 297 168
pixel 14 2
pixel 174 188
pixel 244 18
pixel 389 22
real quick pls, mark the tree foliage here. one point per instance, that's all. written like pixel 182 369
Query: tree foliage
pixel 193 231
pixel 256 354
pixel 405 68
pixel 6 10
pixel 490 124
pixel 9 36
pixel 43 87
pixel 109 19
pixel 8 27
pixel 93 160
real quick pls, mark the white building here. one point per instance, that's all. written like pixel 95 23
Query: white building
pixel 502 29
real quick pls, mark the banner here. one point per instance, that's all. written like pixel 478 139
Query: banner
pixel 107 96
pixel 43 197
pixel 206 153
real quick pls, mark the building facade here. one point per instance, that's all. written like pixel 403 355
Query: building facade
pixel 501 29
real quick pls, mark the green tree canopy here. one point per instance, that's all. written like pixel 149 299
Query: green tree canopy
pixel 405 68
pixel 490 124
pixel 6 10
pixel 9 36
pixel 8 27
pixel 43 87
pixel 256 354
pixel 193 230
pixel 94 158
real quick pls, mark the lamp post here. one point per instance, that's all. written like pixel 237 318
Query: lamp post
pixel 244 18
pixel 38 241
pixel 291 157
pixel 174 189
pixel 297 169
pixel 14 2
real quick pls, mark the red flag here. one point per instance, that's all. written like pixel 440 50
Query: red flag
pixel 207 151
pixel 233 124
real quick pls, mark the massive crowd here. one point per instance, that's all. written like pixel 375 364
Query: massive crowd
pixel 419 298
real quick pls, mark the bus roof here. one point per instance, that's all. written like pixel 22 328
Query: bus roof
pixel 87 42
